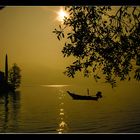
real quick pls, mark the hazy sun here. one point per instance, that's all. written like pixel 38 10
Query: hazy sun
pixel 61 15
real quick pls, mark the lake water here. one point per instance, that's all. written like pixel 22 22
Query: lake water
pixel 49 109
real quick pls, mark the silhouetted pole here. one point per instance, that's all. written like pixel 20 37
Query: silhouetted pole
pixel 6 69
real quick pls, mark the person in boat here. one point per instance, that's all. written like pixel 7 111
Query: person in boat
pixel 99 94
pixel 88 91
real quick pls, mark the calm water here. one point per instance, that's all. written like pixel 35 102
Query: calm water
pixel 49 109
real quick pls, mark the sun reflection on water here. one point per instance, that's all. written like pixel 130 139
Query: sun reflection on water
pixel 62 126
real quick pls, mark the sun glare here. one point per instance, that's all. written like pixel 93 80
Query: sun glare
pixel 61 15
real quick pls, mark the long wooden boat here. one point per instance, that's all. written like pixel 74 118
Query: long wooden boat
pixel 84 97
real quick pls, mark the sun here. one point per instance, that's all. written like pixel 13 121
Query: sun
pixel 61 15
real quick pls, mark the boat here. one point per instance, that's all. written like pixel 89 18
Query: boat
pixel 84 97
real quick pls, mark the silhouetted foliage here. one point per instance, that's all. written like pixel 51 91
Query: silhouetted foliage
pixel 104 40
pixel 15 76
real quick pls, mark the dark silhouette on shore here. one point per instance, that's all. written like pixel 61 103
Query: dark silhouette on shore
pixel 9 79
pixel 6 69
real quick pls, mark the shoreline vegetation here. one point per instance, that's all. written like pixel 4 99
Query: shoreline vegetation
pixel 7 88
pixel 10 79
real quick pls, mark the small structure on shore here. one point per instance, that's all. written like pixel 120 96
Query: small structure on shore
pixel 4 84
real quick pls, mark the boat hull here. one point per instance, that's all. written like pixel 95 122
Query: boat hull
pixel 80 97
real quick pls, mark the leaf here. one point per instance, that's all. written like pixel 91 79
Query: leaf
pixel 54 31
pixel 58 37
pixel 63 35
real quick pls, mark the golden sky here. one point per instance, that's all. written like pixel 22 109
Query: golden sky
pixel 26 36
